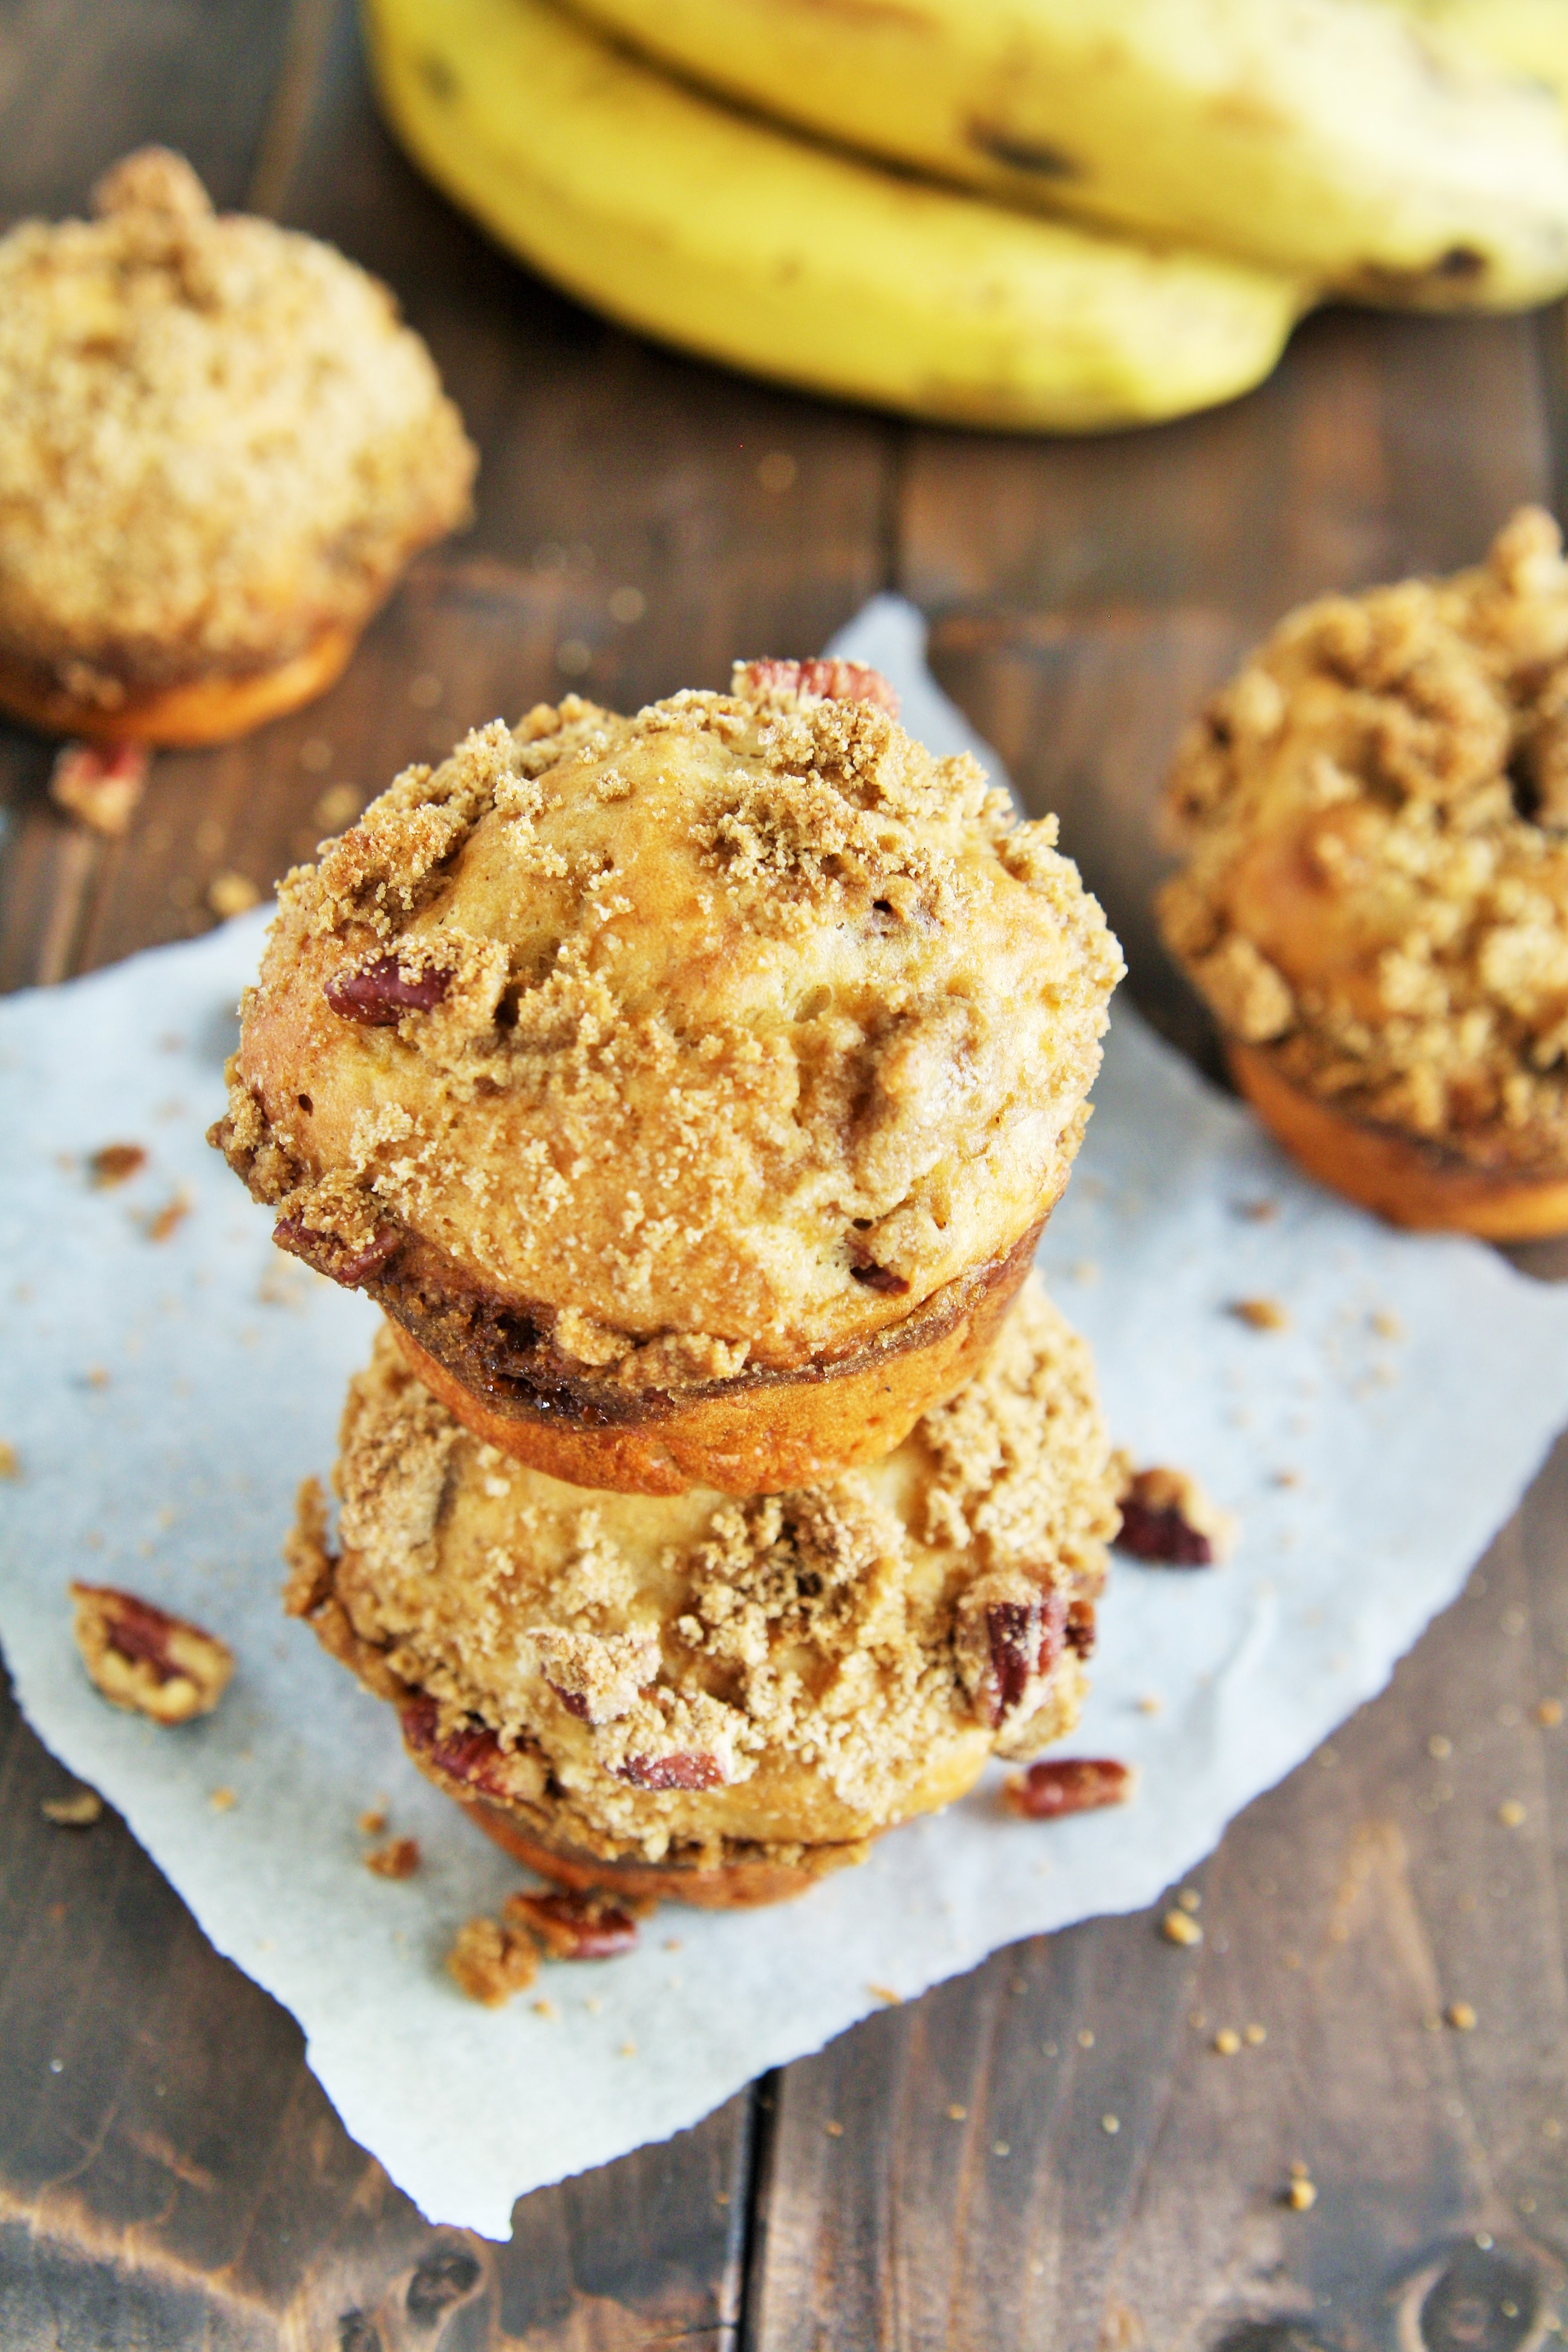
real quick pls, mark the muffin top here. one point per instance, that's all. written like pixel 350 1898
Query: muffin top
pixel 216 440
pixel 709 1038
pixel 674 1661
pixel 1375 816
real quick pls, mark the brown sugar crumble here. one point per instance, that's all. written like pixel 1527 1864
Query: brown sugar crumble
pixel 1260 1314
pixel 398 1858
pixel 490 1962
pixel 114 1164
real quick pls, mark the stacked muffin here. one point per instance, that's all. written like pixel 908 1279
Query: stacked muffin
pixel 690 1090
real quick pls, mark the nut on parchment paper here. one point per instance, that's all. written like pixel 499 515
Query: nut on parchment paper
pixel 1168 1520
pixel 141 1657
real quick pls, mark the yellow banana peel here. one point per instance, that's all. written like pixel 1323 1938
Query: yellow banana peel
pixel 1334 140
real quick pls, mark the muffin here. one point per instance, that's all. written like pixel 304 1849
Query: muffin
pixel 218 450
pixel 712 1698
pixel 1375 902
pixel 689 1089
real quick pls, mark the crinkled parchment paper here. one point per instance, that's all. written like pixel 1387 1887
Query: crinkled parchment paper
pixel 164 1397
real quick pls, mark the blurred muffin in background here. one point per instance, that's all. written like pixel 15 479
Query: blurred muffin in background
pixel 1374 901
pixel 219 448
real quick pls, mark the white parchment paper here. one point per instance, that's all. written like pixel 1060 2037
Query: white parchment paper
pixel 164 1397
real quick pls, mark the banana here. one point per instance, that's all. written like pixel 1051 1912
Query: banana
pixel 1334 140
pixel 1528 38
pixel 750 246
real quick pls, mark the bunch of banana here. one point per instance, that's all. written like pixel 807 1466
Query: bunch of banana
pixel 1225 163
pixel 1343 140
pixel 719 233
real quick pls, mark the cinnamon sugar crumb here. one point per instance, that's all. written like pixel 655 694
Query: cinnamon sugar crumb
pixel 490 1962
pixel 399 1858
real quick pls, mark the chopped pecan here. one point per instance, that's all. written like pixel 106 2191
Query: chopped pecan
pixel 99 784
pixel 586 1927
pixel 341 1261
pixel 1167 1519
pixel 864 1269
pixel 114 1162
pixel 1080 1628
pixel 471 1753
pixel 575 1702
pixel 1068 1784
pixel 377 994
pixel 491 1962
pixel 1026 1640
pixel 824 679
pixel 683 1770
pixel 142 1657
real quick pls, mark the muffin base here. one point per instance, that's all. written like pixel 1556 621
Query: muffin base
pixel 745 1880
pixel 1401 1177
pixel 765 1432
pixel 184 716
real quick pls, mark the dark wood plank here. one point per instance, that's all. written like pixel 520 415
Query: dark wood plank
pixel 607 466
pixel 1345 1912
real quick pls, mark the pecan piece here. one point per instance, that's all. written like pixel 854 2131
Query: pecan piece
pixel 491 1962
pixel 824 679
pixel 1080 1628
pixel 1168 1520
pixel 1068 1784
pixel 345 1261
pixel 100 785
pixel 471 1753
pixel 864 1269
pixel 586 1927
pixel 1026 1639
pixel 684 1769
pixel 377 994
pixel 142 1657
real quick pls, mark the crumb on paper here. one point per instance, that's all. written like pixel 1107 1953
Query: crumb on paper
pixel 1258 1213
pixel 169 1218
pixel 1180 1927
pixel 545 2008
pixel 886 1994
pixel 100 785
pixel 398 1858
pixel 96 1376
pixel 142 1657
pixel 76 1812
pixel 10 1461
pixel 1386 1323
pixel 1226 2041
pixel 1150 1704
pixel 373 1824
pixel 1287 1478
pixel 628 2049
pixel 1260 1314
pixel 1167 1519
pixel 490 1962
pixel 1461 2016
pixel 114 1164
pixel 230 894
pixel 222 1800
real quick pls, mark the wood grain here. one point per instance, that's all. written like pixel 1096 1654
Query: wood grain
pixel 180 2179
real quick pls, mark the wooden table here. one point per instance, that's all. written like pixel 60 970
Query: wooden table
pixel 185 2183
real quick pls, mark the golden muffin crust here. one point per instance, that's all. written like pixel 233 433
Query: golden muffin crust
pixel 1375 816
pixel 217 441
pixel 649 1676
pixel 704 1041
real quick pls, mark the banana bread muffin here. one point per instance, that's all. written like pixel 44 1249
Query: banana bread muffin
pixel 1375 897
pixel 219 448
pixel 712 1698
pixel 689 1088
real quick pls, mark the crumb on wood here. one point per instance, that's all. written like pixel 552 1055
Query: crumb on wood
pixel 76 1812
pixel 1461 2016
pixel 886 1994
pixel 230 894
pixel 1548 1713
pixel 1226 2041
pixel 100 785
